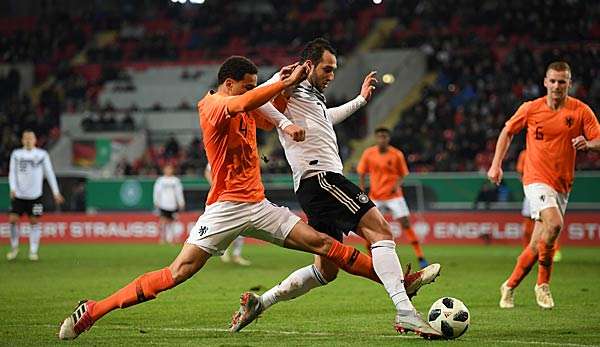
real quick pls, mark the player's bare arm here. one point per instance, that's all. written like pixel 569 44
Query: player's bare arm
pixel 580 143
pixel 495 172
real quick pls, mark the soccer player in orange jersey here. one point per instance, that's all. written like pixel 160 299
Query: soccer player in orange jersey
pixel 387 168
pixel 236 203
pixel 557 127
pixel 529 223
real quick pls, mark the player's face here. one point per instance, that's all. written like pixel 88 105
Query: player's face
pixel 382 139
pixel 246 84
pixel 324 72
pixel 28 140
pixel 557 83
pixel 168 170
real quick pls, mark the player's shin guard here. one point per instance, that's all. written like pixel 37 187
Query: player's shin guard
pixel 387 267
pixel 14 236
pixel 143 288
pixel 545 261
pixel 524 264
pixel 34 238
pixel 352 261
pixel 296 284
pixel 414 241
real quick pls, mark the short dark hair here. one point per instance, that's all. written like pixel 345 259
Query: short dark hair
pixel 27 130
pixel 383 130
pixel 236 67
pixel 313 50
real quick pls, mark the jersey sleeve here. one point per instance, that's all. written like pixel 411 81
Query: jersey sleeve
pixel 156 192
pixel 402 167
pixel 214 109
pixel 591 127
pixel 270 114
pixel 518 121
pixel 339 113
pixel 49 173
pixel 12 172
pixel 363 165
pixel 179 193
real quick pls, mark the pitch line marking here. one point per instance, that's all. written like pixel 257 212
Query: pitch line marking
pixel 309 333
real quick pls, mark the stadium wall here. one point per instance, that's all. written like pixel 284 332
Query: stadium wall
pixel 581 228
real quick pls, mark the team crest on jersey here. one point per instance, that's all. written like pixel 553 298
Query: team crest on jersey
pixel 569 121
pixel 363 198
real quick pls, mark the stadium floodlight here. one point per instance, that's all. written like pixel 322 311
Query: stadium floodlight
pixel 197 1
pixel 377 2
pixel 388 78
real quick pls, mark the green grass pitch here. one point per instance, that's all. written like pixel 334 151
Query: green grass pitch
pixel 35 297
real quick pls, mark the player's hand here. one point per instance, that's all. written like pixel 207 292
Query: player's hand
pixel 580 143
pixel 298 75
pixel 368 85
pixel 295 132
pixel 286 71
pixel 495 175
pixel 58 198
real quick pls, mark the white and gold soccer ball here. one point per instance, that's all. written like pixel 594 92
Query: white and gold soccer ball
pixel 450 317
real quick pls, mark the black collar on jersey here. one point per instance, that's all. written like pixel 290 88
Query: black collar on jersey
pixel 309 88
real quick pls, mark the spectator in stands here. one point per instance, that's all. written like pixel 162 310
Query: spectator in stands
pixel 171 147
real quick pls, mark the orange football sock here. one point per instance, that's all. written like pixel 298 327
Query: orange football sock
pixel 414 241
pixel 545 260
pixel 528 225
pixel 143 288
pixel 352 261
pixel 524 264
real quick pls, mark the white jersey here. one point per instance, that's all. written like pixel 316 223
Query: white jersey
pixel 168 193
pixel 26 173
pixel 319 151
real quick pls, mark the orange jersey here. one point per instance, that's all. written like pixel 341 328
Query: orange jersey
pixel 384 170
pixel 521 162
pixel 550 157
pixel 230 143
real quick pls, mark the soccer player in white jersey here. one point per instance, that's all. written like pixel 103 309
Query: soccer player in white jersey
pixel 333 204
pixel 27 168
pixel 168 198
pixel 233 253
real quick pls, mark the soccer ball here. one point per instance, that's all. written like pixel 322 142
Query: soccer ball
pixel 450 317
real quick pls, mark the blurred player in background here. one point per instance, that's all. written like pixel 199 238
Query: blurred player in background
pixel 387 168
pixel 529 223
pixel 168 199
pixel 557 127
pixel 332 203
pixel 233 253
pixel 236 203
pixel 27 169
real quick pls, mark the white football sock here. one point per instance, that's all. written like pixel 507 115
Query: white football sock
pixel 14 236
pixel 296 284
pixel 34 238
pixel 387 266
pixel 236 246
pixel 169 232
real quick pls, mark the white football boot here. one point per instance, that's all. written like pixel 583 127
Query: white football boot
pixel 543 296
pixel 507 296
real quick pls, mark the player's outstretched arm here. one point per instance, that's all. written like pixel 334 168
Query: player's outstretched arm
pixel 495 172
pixel 259 96
pixel 339 113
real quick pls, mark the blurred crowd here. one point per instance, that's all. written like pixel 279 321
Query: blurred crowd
pixel 488 56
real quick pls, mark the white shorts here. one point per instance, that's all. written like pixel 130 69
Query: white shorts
pixel 396 206
pixel 223 221
pixel 526 209
pixel 541 196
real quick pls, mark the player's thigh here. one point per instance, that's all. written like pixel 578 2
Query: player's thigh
pixel 373 227
pixel 303 237
pixel 543 197
pixel 398 208
pixel 270 222
pixel 220 224
pixel 13 217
